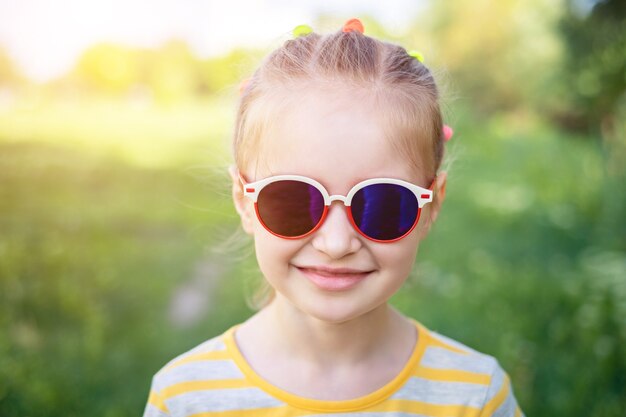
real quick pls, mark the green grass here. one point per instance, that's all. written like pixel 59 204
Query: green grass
pixel 104 224
pixel 137 132
pixel 92 250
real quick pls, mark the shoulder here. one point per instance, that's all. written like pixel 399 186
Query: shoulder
pixel 454 373
pixel 212 345
pixel 203 366
pixel 208 358
pixel 444 352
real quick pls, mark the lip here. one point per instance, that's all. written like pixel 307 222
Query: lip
pixel 325 270
pixel 334 279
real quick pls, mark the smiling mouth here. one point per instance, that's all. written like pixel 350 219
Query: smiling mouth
pixel 335 274
pixel 334 281
pixel 329 271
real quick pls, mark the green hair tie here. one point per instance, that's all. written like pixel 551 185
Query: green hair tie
pixel 417 55
pixel 301 30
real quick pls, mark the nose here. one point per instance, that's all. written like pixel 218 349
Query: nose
pixel 336 236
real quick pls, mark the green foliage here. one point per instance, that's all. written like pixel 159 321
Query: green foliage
pixel 109 68
pixel 91 251
pixel 525 263
pixel 136 131
pixel 497 54
pixel 112 208
pixel 223 74
pixel 594 69
pixel 171 74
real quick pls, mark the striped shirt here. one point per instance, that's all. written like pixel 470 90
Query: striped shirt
pixel 441 378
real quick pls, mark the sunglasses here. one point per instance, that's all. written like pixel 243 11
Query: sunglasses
pixel 380 209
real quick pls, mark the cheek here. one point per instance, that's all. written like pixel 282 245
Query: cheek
pixel 273 254
pixel 400 256
pixel 396 263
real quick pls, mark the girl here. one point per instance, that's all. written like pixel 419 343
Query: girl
pixel 337 145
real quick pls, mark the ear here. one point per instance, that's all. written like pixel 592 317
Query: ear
pixel 438 196
pixel 243 205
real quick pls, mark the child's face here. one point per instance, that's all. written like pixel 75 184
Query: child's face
pixel 338 143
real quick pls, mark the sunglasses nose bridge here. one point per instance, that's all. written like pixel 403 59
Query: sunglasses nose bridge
pixel 337 198
pixel 334 225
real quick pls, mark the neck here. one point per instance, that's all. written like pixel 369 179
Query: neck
pixel 375 336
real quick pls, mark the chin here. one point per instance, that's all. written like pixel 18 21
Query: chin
pixel 335 310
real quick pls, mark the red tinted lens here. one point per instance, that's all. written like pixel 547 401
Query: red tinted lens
pixel 384 211
pixel 290 208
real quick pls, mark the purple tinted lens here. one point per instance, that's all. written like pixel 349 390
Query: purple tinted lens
pixel 384 211
pixel 290 208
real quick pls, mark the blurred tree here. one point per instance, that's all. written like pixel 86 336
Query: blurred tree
pixel 8 74
pixel 107 68
pixel 227 71
pixel 497 52
pixel 593 74
pixel 173 73
pixel 169 74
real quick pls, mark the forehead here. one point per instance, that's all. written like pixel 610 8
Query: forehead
pixel 334 137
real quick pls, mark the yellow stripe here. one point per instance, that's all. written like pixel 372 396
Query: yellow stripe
pixel 390 406
pixel 452 375
pixel 499 398
pixel 185 387
pixel 155 400
pixel 426 409
pixel 204 356
pixel 518 412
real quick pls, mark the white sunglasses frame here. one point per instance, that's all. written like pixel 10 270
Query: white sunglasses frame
pixel 253 189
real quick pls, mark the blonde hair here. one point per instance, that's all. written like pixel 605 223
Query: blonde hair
pixel 403 89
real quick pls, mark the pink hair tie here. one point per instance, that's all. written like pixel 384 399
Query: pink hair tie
pixel 447 133
pixel 243 84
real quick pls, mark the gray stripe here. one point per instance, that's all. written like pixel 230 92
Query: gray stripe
pixel 215 343
pixel 221 400
pixel 497 379
pixel 442 392
pixel 441 358
pixel 507 409
pixel 198 371
pixel 210 345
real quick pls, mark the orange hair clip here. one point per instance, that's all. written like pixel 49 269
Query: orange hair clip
pixel 353 25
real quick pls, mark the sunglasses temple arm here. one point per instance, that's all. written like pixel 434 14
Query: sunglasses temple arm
pixel 241 179
pixel 432 184
pixel 243 182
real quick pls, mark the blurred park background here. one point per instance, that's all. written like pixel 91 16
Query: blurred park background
pixel 119 245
